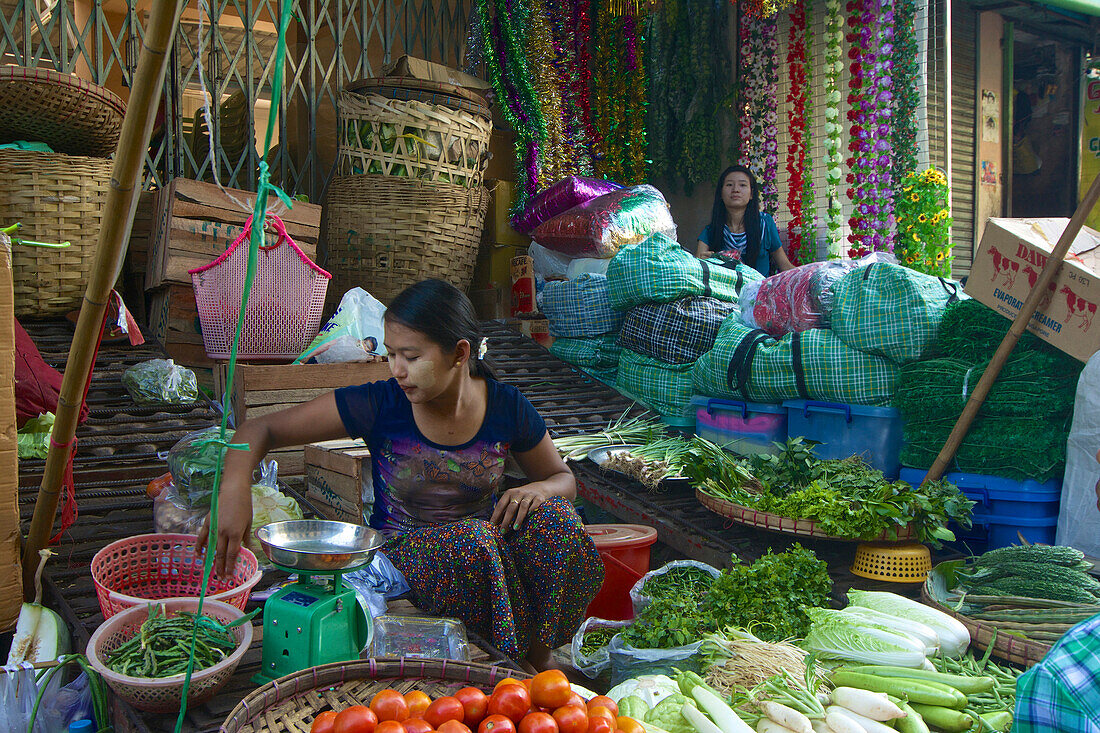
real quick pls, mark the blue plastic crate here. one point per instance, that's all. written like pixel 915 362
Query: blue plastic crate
pixel 742 427
pixel 1005 509
pixel 873 433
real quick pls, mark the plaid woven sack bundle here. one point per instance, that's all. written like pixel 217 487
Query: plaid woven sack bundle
pixel 748 364
pixel 678 332
pixel 659 270
pixel 666 388
pixel 890 310
pixel 600 353
pixel 579 308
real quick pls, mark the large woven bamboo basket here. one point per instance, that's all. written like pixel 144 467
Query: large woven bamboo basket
pixel 57 198
pixel 290 703
pixel 384 233
pixel 412 139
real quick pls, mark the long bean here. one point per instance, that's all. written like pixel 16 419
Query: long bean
pixel 162 646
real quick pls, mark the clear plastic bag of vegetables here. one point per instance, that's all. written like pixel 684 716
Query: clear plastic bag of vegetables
pixel 628 661
pixel 269 505
pixel 677 578
pixel 161 381
pixel 589 648
pixel 193 463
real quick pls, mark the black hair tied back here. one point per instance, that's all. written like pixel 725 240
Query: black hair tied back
pixel 444 314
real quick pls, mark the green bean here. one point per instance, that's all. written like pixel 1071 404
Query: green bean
pixel 162 646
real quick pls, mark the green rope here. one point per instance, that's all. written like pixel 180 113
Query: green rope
pixel 259 215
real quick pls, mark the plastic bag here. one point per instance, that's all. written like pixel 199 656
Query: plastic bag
pixel 172 515
pixel 34 436
pixel 1078 516
pixel 193 462
pixel 792 301
pixel 161 381
pixel 378 581
pixel 551 265
pixel 558 198
pixel 269 505
pixel 60 706
pixel 600 227
pixel 599 660
pixel 640 600
pixel 354 333
pixel 628 662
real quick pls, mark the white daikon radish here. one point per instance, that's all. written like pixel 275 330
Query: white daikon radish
pixel 787 717
pixel 820 726
pixel 873 705
pixel 770 726
pixel 40 634
pixel 718 710
pixel 871 726
pixel 842 721
pixel 700 722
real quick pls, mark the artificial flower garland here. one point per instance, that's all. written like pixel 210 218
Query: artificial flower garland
pixel 809 205
pixel 869 179
pixel 834 157
pixel 763 8
pixel 924 223
pixel 796 149
pixel 620 91
pixel 759 147
pixel 906 93
pixel 556 159
pixel 575 158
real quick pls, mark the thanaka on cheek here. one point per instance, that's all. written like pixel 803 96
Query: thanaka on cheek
pixel 422 374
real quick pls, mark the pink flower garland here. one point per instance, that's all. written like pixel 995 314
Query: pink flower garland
pixel 758 131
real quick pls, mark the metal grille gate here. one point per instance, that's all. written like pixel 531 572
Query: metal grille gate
pixel 330 42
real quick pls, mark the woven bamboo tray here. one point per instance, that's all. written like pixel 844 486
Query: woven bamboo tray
pixel 57 198
pixel 384 233
pixel 289 704
pixel 68 113
pixel 786 525
pixel 1006 647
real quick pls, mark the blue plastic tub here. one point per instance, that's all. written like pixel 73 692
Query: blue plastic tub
pixel 742 427
pixel 872 433
pixel 1005 509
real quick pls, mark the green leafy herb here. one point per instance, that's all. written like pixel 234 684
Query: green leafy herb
pixel 596 640
pixel 679 582
pixel 667 623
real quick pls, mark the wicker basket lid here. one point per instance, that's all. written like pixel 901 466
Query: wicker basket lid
pixel 423 90
pixel 70 114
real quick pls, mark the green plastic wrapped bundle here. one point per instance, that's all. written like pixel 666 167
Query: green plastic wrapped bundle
pixel 666 388
pixel 600 353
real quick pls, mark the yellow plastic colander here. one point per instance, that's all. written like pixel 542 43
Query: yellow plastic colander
pixel 892 563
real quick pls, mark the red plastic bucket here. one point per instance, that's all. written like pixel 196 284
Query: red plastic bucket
pixel 625 552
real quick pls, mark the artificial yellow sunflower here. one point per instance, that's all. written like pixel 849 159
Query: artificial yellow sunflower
pixel 939 256
pixel 922 218
pixel 914 197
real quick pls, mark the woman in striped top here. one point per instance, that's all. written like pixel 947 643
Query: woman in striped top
pixel 748 234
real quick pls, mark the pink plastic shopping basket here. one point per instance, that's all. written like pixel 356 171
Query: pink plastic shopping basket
pixel 284 307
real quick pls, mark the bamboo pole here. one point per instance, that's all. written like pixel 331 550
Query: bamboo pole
pixel 1019 325
pixel 118 216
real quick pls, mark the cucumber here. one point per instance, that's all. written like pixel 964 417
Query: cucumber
pixel 945 719
pixel 914 690
pixel 962 683
pixel 1001 721
pixel 912 722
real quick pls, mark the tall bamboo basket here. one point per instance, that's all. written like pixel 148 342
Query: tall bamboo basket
pixel 384 233
pixel 57 198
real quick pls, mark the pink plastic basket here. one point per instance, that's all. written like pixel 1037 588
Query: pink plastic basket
pixel 284 307
pixel 148 567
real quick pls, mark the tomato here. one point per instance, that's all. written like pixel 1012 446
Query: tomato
pixel 390 705
pixel 604 701
pixel 497 724
pixel 510 681
pixel 571 719
pixel 538 723
pixel 323 722
pixel 356 719
pixel 628 725
pixel 511 701
pixel 599 711
pixel 444 709
pixel 390 726
pixel 576 699
pixel 416 725
pixel 550 689
pixel 453 726
pixel 418 702
pixel 475 704
pixel 600 724
pixel 159 484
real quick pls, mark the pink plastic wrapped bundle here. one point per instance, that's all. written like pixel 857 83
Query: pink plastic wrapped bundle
pixel 559 198
pixel 600 227
pixel 792 301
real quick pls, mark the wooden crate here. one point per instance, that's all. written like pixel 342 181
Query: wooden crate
pixel 260 390
pixel 339 482
pixel 195 222
pixel 137 253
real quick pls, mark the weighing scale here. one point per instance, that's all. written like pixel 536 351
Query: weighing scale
pixel 317 619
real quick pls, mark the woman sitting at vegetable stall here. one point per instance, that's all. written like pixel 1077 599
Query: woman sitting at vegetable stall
pixel 748 234
pixel 516 566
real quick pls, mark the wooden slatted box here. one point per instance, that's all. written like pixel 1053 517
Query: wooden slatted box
pixel 339 482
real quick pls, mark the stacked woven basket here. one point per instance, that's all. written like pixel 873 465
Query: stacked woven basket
pixel 56 196
pixel 408 201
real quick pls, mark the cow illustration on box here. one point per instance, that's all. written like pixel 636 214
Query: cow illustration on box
pixel 1078 307
pixel 1032 278
pixel 1005 266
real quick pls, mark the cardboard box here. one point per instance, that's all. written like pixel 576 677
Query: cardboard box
pixel 419 68
pixel 195 222
pixel 11 579
pixel 1007 264
pixel 263 389
pixel 339 481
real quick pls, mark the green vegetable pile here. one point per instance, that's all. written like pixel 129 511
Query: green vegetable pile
pixel 161 381
pixel 678 582
pixel 193 463
pixel 767 597
pixel 596 640
pixel 847 498
pixel 161 647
